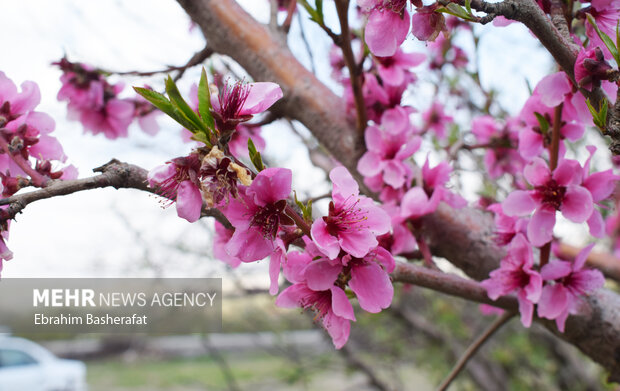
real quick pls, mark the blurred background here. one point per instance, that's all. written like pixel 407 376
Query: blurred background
pixel 125 233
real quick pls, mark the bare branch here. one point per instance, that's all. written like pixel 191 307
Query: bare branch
pixel 113 174
pixel 473 348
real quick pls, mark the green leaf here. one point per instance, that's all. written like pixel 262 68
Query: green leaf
pixel 599 117
pixel 468 6
pixel 179 103
pixel 618 35
pixel 319 9
pixel 255 156
pixel 306 210
pixel 458 11
pixel 204 101
pixel 201 137
pixel 314 15
pixel 544 124
pixel 161 102
pixel 605 38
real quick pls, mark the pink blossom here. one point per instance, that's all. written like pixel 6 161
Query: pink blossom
pixel 501 154
pixel 332 307
pixel 14 103
pixel 401 240
pixel 606 14
pixel 220 239
pixel 590 68
pixel 557 190
pixel 507 227
pixel 257 214
pixel 387 27
pixel 516 274
pixel 93 101
pixel 549 93
pixel 353 222
pixel 370 280
pixel 560 299
pixel 392 69
pixel 388 147
pixel 179 180
pixel 424 198
pixel 238 102
pixel 437 120
pixel 426 23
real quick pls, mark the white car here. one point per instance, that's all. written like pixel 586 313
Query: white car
pixel 27 366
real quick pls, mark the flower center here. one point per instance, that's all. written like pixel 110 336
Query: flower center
pixel 267 219
pixel 551 194
pixel 232 98
pixel 344 219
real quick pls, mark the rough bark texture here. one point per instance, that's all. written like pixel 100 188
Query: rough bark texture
pixel 461 236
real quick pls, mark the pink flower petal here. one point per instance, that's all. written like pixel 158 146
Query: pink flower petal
pixel 327 243
pixel 372 286
pixel 321 275
pixel 540 227
pixel 249 245
pixel 518 203
pixel 261 97
pixel 553 301
pixel 555 270
pixel 537 172
pixel 189 201
pixel 577 205
pixel 341 304
pixel 385 31
pixel 271 185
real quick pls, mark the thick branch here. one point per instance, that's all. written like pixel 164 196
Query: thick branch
pixel 464 237
pixel 230 30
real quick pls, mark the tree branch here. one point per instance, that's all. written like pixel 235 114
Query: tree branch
pixel 473 348
pixel 112 174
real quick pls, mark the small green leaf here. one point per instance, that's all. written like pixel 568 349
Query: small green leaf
pixel 458 11
pixel 544 124
pixel 319 9
pixel 306 210
pixel 605 38
pixel 204 101
pixel 618 35
pixel 599 117
pixel 468 6
pixel 201 137
pixel 255 156
pixel 179 103
pixel 161 102
pixel 314 15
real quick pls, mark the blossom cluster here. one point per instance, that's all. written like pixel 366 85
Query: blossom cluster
pixel 29 154
pixel 531 148
pixel 337 252
pixel 97 105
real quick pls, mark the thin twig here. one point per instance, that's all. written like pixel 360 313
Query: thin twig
pixel 302 32
pixel 196 59
pixel 290 11
pixel 473 348
pixel 342 7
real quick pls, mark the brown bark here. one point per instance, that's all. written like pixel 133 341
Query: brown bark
pixel 461 236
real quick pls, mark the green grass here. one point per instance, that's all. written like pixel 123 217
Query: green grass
pixel 188 374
